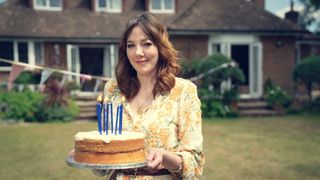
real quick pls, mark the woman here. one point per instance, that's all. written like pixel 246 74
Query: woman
pixel 165 108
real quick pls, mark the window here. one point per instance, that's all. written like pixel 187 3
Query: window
pixel 162 6
pixel 109 5
pixel 38 53
pixel 54 5
pixel 21 51
pixel 6 52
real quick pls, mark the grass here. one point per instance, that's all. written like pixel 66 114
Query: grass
pixel 246 148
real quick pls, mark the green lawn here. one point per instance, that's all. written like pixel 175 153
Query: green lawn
pixel 245 148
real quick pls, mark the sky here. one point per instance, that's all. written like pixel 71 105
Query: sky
pixel 280 7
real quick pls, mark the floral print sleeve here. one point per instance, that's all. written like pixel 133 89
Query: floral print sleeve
pixel 190 135
pixel 172 123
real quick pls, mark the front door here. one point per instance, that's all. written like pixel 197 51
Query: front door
pixel 249 59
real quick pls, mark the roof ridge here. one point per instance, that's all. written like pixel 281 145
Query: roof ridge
pixel 183 13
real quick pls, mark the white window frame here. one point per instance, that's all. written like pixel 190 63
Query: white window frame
pixel 47 7
pixel 108 9
pixel 31 52
pixel 162 9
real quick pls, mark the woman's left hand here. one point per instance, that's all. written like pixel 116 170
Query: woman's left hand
pixel 160 159
pixel 155 159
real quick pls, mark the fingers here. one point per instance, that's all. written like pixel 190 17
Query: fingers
pixel 154 159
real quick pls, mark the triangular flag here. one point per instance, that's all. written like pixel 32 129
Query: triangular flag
pixel 16 70
pixel 98 82
pixel 84 77
pixel 45 75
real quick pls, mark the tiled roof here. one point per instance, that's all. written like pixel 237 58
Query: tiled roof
pixel 231 15
pixel 77 20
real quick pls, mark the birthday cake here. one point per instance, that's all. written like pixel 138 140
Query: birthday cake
pixel 93 148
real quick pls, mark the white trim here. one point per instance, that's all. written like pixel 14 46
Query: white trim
pixel 69 61
pixel 162 7
pixel 108 9
pixel 31 54
pixel 47 7
pixel 255 93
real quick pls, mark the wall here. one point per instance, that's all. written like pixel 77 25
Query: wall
pixel 55 55
pixel 191 46
pixel 279 60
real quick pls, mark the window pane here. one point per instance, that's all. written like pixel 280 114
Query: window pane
pixel 168 4
pixel 215 48
pixel 73 60
pixel 156 4
pixel 115 4
pixel 23 52
pixel 102 4
pixel 38 53
pixel 6 52
pixel 55 3
pixel 41 2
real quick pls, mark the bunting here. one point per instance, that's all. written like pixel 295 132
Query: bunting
pixel 84 77
pixel 16 70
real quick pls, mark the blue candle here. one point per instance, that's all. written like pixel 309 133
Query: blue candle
pixel 120 123
pixel 106 117
pixel 111 116
pixel 121 112
pixel 98 110
pixel 117 119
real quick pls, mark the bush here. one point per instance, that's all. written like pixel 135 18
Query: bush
pixel 213 101
pixel 27 77
pixel 58 113
pixel 20 105
pixel 307 72
pixel 30 106
pixel 275 96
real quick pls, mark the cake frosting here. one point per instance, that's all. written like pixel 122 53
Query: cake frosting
pixel 95 135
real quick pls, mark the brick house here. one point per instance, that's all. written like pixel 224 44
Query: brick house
pixel 82 35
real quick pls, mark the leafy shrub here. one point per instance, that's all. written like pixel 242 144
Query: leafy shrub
pixel 275 96
pixel 57 104
pixel 20 105
pixel 307 72
pixel 58 113
pixel 213 101
pixel 27 77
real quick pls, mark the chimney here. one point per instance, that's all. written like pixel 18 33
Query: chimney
pixel 259 3
pixel 292 15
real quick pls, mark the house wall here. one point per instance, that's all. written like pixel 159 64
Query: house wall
pixel 55 55
pixel 279 61
pixel 191 47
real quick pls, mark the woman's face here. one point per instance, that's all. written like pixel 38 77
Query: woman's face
pixel 143 54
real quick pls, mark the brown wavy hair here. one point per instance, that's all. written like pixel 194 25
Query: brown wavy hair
pixel 167 66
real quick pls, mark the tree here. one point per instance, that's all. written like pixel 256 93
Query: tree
pixel 307 16
pixel 307 72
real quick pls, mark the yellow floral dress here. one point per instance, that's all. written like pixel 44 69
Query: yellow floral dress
pixel 172 122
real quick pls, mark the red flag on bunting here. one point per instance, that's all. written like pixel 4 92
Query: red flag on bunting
pixel 16 70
